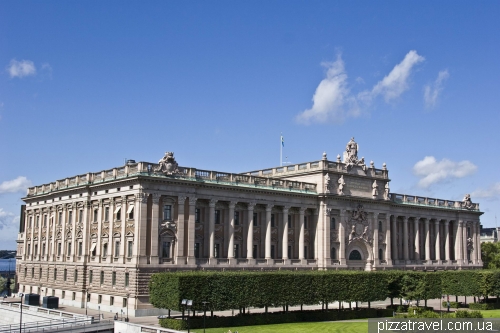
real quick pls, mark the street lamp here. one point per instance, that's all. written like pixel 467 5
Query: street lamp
pixel 188 304
pixel 21 316
pixel 86 299
pixel 128 295
pixel 204 313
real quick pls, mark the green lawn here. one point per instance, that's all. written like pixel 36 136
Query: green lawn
pixel 331 327
pixel 491 313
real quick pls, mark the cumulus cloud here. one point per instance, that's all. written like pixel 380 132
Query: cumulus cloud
pixel 431 92
pixel 491 192
pixel 21 68
pixel 20 184
pixel 432 171
pixel 7 218
pixel 331 100
pixel 396 82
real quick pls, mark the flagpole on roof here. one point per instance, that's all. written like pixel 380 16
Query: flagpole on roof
pixel 281 149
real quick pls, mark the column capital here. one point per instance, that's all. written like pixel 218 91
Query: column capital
pixel 251 205
pixel 405 219
pixel 302 210
pixel 192 201
pixel 416 218
pixel 286 208
pixel 212 203
pixel 182 199
pixel 140 197
pixel 426 220
pixel 156 198
pixel 232 204
pixel 437 221
pixel 269 208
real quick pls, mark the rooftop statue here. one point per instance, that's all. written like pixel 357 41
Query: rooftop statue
pixel 467 203
pixel 167 164
pixel 351 156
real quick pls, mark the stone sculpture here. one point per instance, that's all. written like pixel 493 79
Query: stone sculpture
pixel 467 203
pixel 386 191
pixel 167 165
pixel 374 189
pixel 341 185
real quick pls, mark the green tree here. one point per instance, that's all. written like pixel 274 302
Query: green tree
pixel 490 254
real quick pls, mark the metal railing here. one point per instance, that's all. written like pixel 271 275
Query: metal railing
pixel 54 325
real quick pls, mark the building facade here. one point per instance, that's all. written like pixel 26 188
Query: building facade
pixel 94 239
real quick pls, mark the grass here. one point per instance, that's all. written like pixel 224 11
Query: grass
pixel 491 313
pixel 330 327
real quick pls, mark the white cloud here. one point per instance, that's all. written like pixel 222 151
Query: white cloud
pixel 7 218
pixel 19 184
pixel 431 92
pixel 21 68
pixel 396 82
pixel 331 100
pixel 431 171
pixel 491 192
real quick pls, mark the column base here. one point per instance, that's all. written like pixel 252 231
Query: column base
pixel 180 260
pixel 251 261
pixel 154 260
pixel 287 262
pixel 232 261
pixel 212 261
pixel 191 261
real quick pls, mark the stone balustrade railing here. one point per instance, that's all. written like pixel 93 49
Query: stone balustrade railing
pixel 337 167
pixel 431 202
pixel 147 169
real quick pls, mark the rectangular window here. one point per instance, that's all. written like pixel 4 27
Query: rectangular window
pixel 53 292
pixel 25 272
pixel 43 249
pixel 118 213
pixel 167 212
pixel 117 249
pixel 272 220
pixel 37 221
pixel 70 216
pixel 32 273
pixel 272 252
pixel 80 248
pixel 69 249
pixel 29 249
pixel 36 250
pixel 60 218
pixel 93 249
pixel 80 215
pixel 95 215
pixel 111 300
pixel 124 303
pixel 289 222
pixel 106 213
pixel 289 251
pixel 236 218
pixel 30 222
pixel 55 274
pixel 102 277
pixel 127 279
pixel 254 252
pixel 73 297
pixel 196 250
pixel 113 279
pixel 63 294
pixel 76 276
pixel 255 216
pixel 88 297
pixel 197 215
pixel 217 216
pixel 105 250
pixel 305 252
pixel 305 222
pixel 65 274
pixel 216 250
pixel 130 249
pixel 165 253
pixel 45 221
pixel 91 276
pixel 59 249
pixel 130 212
pixel 99 299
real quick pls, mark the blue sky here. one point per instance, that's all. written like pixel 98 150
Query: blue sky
pixel 84 85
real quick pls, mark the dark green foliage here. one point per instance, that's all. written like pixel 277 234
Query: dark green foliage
pixel 484 306
pixel 468 314
pixel 421 285
pixel 274 318
pixel 454 305
pixel 490 254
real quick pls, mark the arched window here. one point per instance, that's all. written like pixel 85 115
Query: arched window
pixel 355 255
pixel 333 253
pixel 379 225
pixel 332 223
pixel 380 254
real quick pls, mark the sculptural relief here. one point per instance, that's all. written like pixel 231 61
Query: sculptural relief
pixel 360 226
pixel 341 185
pixel 167 165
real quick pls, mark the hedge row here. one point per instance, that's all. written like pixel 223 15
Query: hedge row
pixel 236 290
pixel 274 318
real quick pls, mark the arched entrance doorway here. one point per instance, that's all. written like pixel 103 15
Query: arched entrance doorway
pixel 355 255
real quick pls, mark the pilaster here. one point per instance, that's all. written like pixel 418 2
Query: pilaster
pixel 285 235
pixel 250 258
pixel 405 238
pixel 211 228
pixel 301 234
pixel 181 255
pixel 437 245
pixel 191 260
pixel 269 208
pixel 155 223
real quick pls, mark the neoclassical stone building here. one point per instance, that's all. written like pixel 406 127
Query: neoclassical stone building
pixel 94 239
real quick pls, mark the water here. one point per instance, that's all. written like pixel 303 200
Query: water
pixel 4 265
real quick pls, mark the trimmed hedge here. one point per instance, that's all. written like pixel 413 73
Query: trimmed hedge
pixel 274 318
pixel 484 306
pixel 454 305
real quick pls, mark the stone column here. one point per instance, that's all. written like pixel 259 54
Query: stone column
pixel 455 240
pixel 464 243
pixel 341 223
pixel 375 239
pixel 437 249
pixel 313 219
pixel 140 227
pixel 416 226
pixel 301 233
pixel 268 232
pixel 285 235
pixel 123 242
pixel 477 243
pixel 427 242
pixel 447 241
pixel 230 231
pixel 211 229
pixel 155 223
pixel 191 231
pixel 405 238
pixel 388 237
pixel 250 258
pixel 394 240
pixel 181 257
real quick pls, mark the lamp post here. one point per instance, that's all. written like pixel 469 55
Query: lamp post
pixel 86 299
pixel 188 304
pixel 204 313
pixel 99 309
pixel 128 295
pixel 21 316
